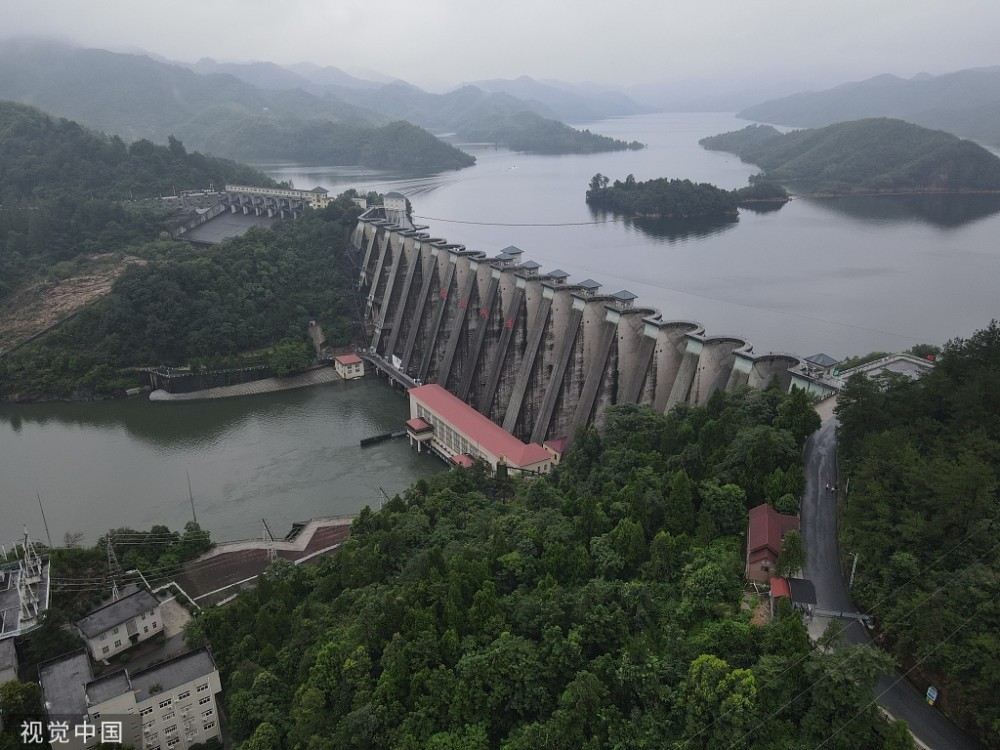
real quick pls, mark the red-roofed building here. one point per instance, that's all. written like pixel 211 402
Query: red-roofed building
pixel 458 429
pixel 349 366
pixel 766 528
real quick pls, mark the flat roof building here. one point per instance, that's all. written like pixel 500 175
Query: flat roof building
pixel 451 428
pixel 120 624
pixel 171 705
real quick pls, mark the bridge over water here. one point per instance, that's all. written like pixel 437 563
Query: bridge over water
pixel 535 352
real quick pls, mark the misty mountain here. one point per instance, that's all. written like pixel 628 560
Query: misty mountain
pixel 136 97
pixel 966 103
pixel 569 102
pixel 331 76
pixel 264 75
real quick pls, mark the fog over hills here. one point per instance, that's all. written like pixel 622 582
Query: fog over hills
pixel 966 103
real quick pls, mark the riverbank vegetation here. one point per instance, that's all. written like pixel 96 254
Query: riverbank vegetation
pixel 864 156
pixel 678 199
pixel 601 606
pixel 67 192
pixel 187 304
pixel 923 459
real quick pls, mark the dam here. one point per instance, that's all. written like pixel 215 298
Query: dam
pixel 535 352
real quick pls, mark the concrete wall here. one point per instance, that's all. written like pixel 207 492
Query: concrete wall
pixel 536 354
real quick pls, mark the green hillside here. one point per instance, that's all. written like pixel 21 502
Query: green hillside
pixel 66 191
pixel 875 155
pixel 966 103
pixel 135 97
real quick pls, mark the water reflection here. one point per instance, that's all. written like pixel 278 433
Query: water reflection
pixel 945 211
pixel 668 230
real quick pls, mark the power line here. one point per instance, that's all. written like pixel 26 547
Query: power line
pixel 522 224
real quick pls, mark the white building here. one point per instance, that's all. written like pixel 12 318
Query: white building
pixel 349 366
pixel 115 627
pixel 171 705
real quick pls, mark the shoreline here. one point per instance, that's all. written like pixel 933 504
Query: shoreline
pixel 316 376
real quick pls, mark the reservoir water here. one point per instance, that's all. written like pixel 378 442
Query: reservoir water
pixel 844 276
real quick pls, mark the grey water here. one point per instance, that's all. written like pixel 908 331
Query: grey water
pixel 283 457
pixel 843 276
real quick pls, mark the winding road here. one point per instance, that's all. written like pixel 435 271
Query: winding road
pixel 819 534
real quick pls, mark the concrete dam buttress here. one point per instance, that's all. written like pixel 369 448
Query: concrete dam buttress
pixel 536 353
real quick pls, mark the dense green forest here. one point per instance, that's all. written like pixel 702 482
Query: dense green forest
pixel 66 191
pixel 678 199
pixel 923 458
pixel 875 155
pixel 532 133
pixel 599 607
pixel 187 304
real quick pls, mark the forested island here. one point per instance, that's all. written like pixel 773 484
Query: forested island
pixel 922 514
pixel 529 132
pixel 865 156
pixel 678 199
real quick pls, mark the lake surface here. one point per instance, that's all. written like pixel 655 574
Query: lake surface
pixel 284 456
pixel 844 276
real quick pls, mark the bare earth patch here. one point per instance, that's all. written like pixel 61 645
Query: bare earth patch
pixel 44 304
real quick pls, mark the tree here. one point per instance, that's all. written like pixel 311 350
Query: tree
pixel 719 705
pixel 792 557
pixel 289 355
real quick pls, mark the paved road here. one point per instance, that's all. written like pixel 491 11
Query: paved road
pixel 819 534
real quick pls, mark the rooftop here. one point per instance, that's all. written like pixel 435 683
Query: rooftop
pixel 767 526
pixel 512 250
pixel 779 588
pixel 625 295
pixel 418 424
pixel 63 683
pixel 172 673
pixel 108 687
pixel 558 274
pixel 802 590
pixel 106 617
pixel 462 459
pixel 348 359
pixel 490 437
pixel 823 360
pixel 395 195
pixel 588 284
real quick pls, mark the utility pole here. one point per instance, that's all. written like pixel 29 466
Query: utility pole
pixel 854 567
pixel 194 516
pixel 113 567
pixel 46 523
pixel 272 553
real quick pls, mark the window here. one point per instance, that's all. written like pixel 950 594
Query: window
pixel 146 711
pixel 209 712
pixel 155 748
pixel 104 636
pixel 143 616
pixel 209 725
pixel 97 715
pixel 114 632
pixel 173 741
pixel 206 699
pixel 164 704
pixel 171 729
pixel 150 613
pixel 167 715
pixel 118 644
pixel 105 649
pixel 154 623
pixel 183 695
pixel 152 737
pixel 203 688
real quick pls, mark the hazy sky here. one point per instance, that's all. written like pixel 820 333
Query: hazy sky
pixel 440 42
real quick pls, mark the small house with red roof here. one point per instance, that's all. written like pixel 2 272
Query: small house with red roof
pixel 765 530
pixel 458 433
pixel 349 366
